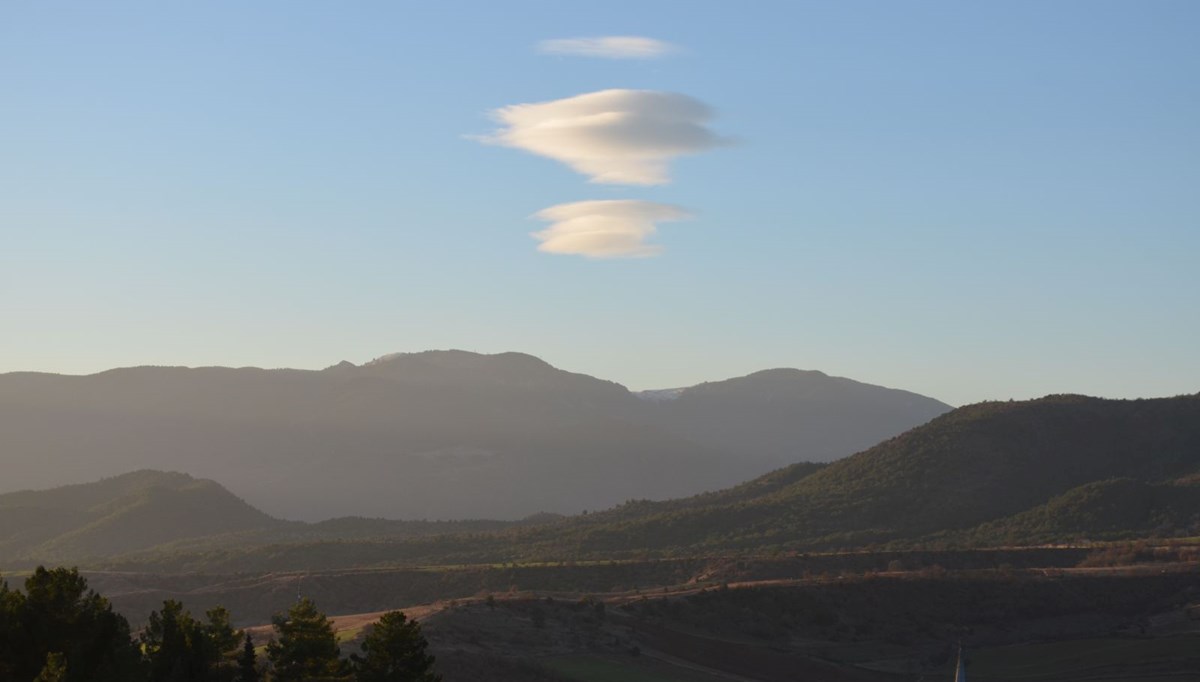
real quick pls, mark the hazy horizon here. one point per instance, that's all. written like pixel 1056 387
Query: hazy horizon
pixel 970 202
pixel 631 387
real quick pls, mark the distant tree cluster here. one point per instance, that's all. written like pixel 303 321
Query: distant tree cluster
pixel 58 630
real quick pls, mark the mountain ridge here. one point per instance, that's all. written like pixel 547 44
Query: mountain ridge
pixel 436 434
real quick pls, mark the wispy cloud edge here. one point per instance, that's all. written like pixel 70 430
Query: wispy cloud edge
pixel 600 229
pixel 608 47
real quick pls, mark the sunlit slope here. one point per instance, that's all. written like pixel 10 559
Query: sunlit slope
pixel 121 514
pixel 977 464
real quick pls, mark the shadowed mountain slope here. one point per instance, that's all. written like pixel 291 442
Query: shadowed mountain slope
pixel 439 434
pixel 121 514
pixel 776 412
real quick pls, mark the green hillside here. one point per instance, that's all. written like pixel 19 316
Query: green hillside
pixel 974 465
pixel 168 513
pixel 119 515
pixel 1057 468
pixel 1104 510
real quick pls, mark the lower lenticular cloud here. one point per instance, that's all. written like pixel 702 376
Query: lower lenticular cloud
pixel 624 137
pixel 616 228
pixel 608 47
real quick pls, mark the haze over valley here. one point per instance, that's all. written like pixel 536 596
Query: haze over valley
pixel 437 435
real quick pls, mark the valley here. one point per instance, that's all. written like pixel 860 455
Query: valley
pixel 1033 614
pixel 1056 538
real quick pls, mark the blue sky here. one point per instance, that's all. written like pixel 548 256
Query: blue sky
pixel 970 201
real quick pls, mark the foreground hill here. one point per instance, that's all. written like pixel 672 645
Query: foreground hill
pixel 980 464
pixel 441 434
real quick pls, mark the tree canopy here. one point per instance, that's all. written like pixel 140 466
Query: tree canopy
pixel 394 651
pixel 305 647
pixel 57 630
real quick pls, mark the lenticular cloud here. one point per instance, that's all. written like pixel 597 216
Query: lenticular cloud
pixel 623 137
pixel 608 47
pixel 615 228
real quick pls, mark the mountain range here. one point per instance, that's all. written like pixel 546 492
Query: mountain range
pixel 1057 469
pixel 438 434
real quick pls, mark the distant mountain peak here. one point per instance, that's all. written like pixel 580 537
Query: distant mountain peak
pixel 657 395
pixel 790 372
pixel 454 357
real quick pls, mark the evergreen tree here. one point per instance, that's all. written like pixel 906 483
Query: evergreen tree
pixel 219 629
pixel 181 649
pixel 12 640
pixel 306 647
pixel 59 614
pixel 248 662
pixel 394 651
pixel 225 642
pixel 165 643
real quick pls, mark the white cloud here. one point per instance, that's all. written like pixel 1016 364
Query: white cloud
pixel 608 47
pixel 624 137
pixel 616 228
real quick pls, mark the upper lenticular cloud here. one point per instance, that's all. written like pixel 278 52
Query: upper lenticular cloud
pixel 616 228
pixel 608 47
pixel 623 137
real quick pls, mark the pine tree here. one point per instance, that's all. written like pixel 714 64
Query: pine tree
pixel 394 651
pixel 61 615
pixel 248 662
pixel 165 641
pixel 180 648
pixel 13 641
pixel 306 646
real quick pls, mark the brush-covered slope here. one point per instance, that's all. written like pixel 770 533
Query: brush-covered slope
pixel 978 464
pixel 439 434
pixel 1112 509
pixel 121 514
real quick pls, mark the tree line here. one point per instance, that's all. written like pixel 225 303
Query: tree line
pixel 58 630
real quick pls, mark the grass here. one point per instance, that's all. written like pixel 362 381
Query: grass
pixel 348 635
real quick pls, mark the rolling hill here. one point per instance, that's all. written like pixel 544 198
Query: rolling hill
pixel 1001 464
pixel 174 512
pixel 1054 469
pixel 119 515
pixel 439 434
